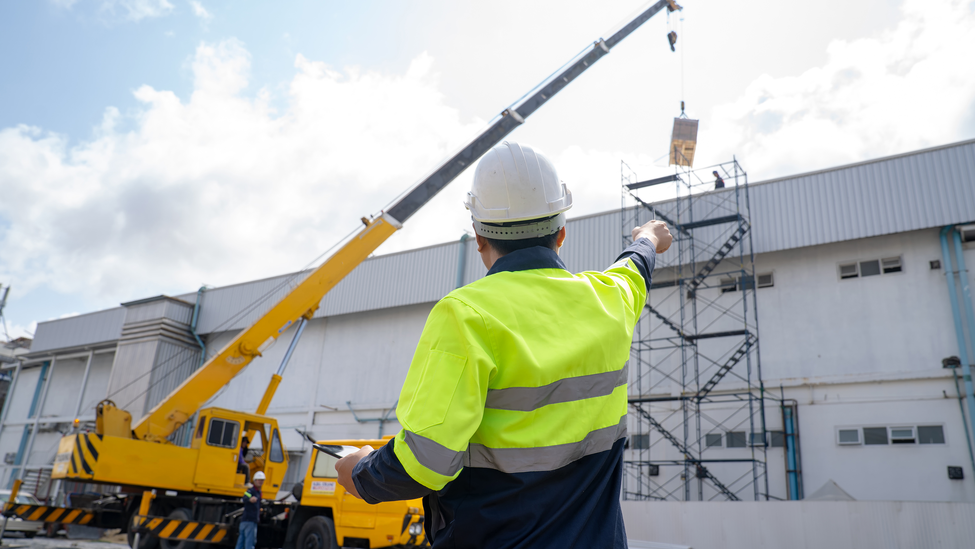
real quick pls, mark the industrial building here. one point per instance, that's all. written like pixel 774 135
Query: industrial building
pixel 857 334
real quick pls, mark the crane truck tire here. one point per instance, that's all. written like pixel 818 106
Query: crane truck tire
pixel 184 514
pixel 317 533
pixel 146 541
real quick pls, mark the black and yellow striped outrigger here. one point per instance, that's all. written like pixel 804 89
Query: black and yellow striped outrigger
pixel 165 528
pixel 46 513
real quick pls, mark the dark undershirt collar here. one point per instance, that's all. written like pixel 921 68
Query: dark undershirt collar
pixel 538 257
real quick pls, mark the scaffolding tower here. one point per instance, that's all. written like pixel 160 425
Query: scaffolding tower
pixel 697 412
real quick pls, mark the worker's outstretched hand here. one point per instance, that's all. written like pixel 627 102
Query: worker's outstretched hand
pixel 656 232
pixel 346 465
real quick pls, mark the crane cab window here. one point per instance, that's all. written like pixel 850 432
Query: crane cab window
pixel 324 466
pixel 199 428
pixel 277 452
pixel 223 433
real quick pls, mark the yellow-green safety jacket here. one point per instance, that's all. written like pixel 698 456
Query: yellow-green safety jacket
pixel 514 406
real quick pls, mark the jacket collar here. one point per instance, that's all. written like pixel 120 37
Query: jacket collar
pixel 538 257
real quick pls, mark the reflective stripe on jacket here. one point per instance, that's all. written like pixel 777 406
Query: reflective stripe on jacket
pixel 514 406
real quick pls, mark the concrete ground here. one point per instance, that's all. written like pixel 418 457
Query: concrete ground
pixel 58 543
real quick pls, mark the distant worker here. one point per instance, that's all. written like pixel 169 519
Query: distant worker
pixel 514 407
pixel 718 182
pixel 247 535
pixel 242 468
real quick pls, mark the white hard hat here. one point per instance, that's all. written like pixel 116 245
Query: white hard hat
pixel 259 475
pixel 517 194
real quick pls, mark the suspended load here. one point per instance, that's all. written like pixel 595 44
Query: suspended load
pixel 683 141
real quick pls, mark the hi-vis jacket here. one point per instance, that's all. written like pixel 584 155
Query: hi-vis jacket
pixel 514 407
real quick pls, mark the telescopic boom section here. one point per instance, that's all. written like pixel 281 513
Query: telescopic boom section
pixel 304 300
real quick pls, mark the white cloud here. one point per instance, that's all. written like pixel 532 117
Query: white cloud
pixel 200 11
pixel 218 187
pixel 135 10
pixel 908 88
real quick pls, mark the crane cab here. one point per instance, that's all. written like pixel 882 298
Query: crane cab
pixel 210 465
pixel 223 460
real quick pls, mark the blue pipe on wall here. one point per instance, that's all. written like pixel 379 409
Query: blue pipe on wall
pixel 956 315
pixel 196 316
pixel 462 260
pixel 790 448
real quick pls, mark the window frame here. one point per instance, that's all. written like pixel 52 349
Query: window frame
pixel 859 440
pixel 275 446
pixel 742 434
pixel 944 434
pixel 222 436
pixel 902 440
pixel 707 443
pixel 858 267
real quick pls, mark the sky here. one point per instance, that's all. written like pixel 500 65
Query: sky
pixel 153 146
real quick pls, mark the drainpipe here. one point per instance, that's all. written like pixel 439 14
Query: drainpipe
pixel 382 420
pixel 196 316
pixel 462 260
pixel 188 433
pixel 956 315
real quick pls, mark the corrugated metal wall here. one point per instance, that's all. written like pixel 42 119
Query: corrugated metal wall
pixel 919 190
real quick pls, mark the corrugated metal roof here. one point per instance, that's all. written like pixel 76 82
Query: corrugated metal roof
pixel 918 190
pixel 88 329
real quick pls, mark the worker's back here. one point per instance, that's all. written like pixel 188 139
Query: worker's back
pixel 547 350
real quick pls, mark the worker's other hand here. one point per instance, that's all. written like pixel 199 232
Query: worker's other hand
pixel 656 232
pixel 346 465
pixel 253 499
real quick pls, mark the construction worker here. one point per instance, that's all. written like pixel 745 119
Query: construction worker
pixel 514 407
pixel 242 468
pixel 718 181
pixel 247 535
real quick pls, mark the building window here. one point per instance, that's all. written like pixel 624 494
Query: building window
pixel 712 440
pixel 922 434
pixel 728 285
pixel 902 435
pixel 931 434
pixel 738 284
pixel 640 442
pixel 871 267
pixel 849 271
pixel 848 436
pixel 874 435
pixel 776 439
pixel 891 265
pixel 736 439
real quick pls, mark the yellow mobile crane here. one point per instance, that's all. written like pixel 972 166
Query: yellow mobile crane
pixel 187 495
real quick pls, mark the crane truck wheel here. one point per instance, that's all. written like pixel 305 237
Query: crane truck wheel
pixel 146 541
pixel 180 513
pixel 317 533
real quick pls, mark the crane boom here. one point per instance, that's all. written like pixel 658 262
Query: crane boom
pixel 304 299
